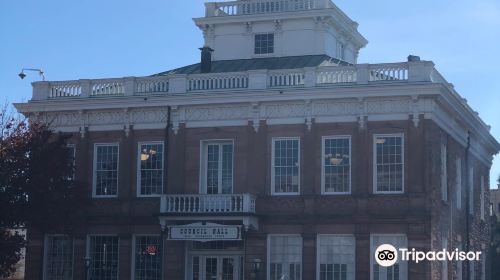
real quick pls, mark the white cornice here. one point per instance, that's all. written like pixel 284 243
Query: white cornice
pixel 373 102
pixel 341 20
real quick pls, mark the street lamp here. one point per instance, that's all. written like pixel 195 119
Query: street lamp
pixel 256 263
pixel 22 75
pixel 88 262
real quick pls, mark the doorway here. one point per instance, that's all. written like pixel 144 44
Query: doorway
pixel 216 267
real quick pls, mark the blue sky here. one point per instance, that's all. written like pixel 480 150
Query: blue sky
pixel 98 39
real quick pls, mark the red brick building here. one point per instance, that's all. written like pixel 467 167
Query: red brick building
pixel 276 157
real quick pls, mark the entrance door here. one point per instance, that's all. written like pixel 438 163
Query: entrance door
pixel 216 268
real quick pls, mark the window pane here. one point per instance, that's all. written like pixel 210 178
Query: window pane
pixel 337 163
pixel 227 168
pixel 151 169
pixel 104 256
pixel 286 166
pixel 147 258
pixel 389 163
pixel 398 270
pixel 337 257
pixel 106 170
pixel 264 43
pixel 286 257
pixel 218 168
pixel 59 258
pixel 212 169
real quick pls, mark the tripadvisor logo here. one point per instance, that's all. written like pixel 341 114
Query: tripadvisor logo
pixel 387 255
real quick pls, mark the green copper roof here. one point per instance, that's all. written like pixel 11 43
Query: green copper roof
pixel 270 63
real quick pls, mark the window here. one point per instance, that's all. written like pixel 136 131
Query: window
pixel 264 43
pixel 337 257
pixel 458 182
pixel 389 163
pixel 341 51
pixel 396 272
pixel 58 264
pixel 337 165
pixel 103 252
pixel 444 172
pixel 471 190
pixel 482 198
pixel 285 257
pixel 147 265
pixel 106 170
pixel 150 169
pixel 285 166
pixel 217 167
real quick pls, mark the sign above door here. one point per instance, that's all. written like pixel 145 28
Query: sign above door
pixel 204 232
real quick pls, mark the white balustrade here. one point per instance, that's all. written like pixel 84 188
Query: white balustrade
pixel 336 75
pixel 254 79
pixel 207 203
pixel 388 72
pixel 65 89
pixel 286 79
pixel 107 87
pixel 217 82
pixel 151 86
pixel 234 8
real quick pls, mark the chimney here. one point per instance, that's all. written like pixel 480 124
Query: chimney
pixel 413 58
pixel 206 59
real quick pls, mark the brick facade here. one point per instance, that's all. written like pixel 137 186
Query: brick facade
pixel 419 213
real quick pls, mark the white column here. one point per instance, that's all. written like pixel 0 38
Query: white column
pixel 362 74
pixel 41 90
pixel 177 83
pixel 420 71
pixel 310 76
pixel 129 86
pixel 257 79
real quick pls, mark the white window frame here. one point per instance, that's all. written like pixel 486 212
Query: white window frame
pixel 45 254
pixel 138 181
pixel 403 158
pixel 268 265
pixel 255 44
pixel 318 252
pixel 444 171
pixel 203 164
pixel 94 171
pixel 134 240
pixel 458 182
pixel 87 251
pixel 372 255
pixel 323 167
pixel 273 187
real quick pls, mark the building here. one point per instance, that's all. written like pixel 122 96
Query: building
pixel 275 157
pixel 495 202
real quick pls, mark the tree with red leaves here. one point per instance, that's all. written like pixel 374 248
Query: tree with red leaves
pixel 37 189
